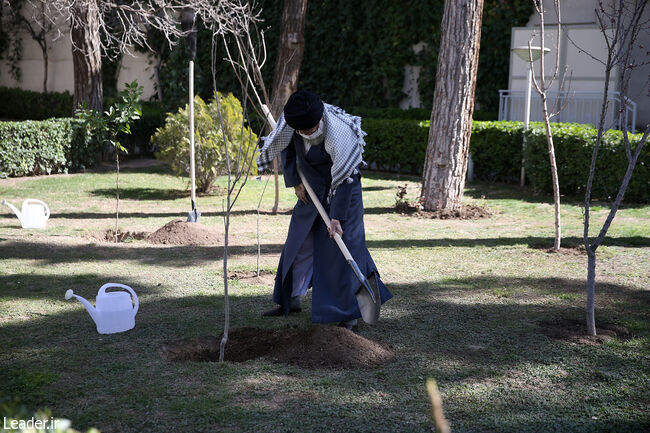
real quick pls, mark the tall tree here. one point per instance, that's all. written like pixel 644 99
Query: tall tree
pixel 86 55
pixel 287 67
pixel 445 165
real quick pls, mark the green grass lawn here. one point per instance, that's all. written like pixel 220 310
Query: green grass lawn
pixel 469 297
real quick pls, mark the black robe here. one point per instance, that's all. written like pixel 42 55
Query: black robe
pixel 333 283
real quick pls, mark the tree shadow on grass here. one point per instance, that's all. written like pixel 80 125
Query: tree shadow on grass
pixel 173 256
pixel 187 255
pixel 536 242
pixel 488 343
pixel 142 193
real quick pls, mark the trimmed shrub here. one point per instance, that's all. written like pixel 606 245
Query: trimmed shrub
pixel 18 104
pixel 574 145
pixel 496 150
pixel 400 146
pixel 395 145
pixel 172 140
pixel 45 147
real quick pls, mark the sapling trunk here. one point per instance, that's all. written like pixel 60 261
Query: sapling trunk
pixel 554 177
pixel 226 327
pixel 117 190
pixel 259 244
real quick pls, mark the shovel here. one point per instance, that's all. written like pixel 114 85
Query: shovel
pixel 368 296
pixel 194 214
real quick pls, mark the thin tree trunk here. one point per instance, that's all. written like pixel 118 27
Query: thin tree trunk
pixel 86 57
pixel 445 165
pixel 287 68
pixel 226 327
pixel 117 191
pixel 556 183
pixel 45 66
pixel 591 291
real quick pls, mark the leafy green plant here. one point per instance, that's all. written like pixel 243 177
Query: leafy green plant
pixel 172 140
pixel 117 119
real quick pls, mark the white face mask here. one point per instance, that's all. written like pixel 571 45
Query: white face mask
pixel 314 135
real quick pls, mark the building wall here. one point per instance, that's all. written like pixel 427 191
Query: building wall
pixel 60 67
pixel 581 35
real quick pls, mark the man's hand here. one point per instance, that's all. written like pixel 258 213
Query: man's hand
pixel 335 227
pixel 301 193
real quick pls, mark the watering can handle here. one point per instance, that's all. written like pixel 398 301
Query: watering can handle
pixel 103 288
pixel 47 208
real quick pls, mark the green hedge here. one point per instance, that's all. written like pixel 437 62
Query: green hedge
pixel 397 145
pixel 400 146
pixel 496 150
pixel 573 150
pixel 44 147
pixel 18 104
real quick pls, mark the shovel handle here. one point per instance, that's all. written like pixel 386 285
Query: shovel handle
pixel 324 215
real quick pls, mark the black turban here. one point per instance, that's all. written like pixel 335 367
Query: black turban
pixel 303 110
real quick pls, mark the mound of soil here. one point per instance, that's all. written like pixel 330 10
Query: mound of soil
pixel 466 212
pixel 180 232
pixel 574 331
pixel 315 347
pixel 265 278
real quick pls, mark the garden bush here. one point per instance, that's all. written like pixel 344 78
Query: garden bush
pixel 18 104
pixel 400 146
pixel 573 150
pixel 45 147
pixel 397 145
pixel 172 140
pixel 496 150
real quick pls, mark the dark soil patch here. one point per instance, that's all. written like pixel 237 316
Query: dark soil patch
pixel 466 212
pixel 109 236
pixel 565 248
pixel 213 190
pixel 180 232
pixel 265 278
pixel 314 347
pixel 575 331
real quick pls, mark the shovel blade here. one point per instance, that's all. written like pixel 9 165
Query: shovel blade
pixel 369 299
pixel 193 216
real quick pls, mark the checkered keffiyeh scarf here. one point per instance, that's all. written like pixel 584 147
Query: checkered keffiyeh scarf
pixel 343 142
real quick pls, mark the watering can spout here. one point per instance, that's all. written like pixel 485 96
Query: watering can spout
pixel 16 211
pixel 89 307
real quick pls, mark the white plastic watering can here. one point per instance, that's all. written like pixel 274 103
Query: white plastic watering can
pixel 34 213
pixel 114 311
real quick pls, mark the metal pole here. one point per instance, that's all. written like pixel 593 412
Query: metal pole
pixel 522 180
pixel 192 134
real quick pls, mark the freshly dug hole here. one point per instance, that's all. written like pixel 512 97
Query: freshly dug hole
pixel 575 331
pixel 317 346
